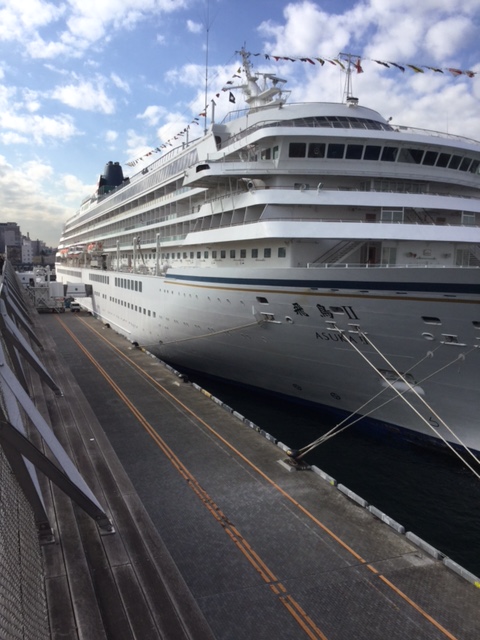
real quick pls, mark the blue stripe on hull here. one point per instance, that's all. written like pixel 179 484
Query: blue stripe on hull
pixel 425 287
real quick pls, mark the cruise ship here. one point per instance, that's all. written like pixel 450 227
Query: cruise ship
pixel 312 250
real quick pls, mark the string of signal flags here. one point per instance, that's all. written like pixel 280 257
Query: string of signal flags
pixel 344 61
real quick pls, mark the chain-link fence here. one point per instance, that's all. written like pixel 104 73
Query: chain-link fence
pixel 23 611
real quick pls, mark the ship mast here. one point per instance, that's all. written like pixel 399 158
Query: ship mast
pixel 207 29
pixel 348 90
pixel 261 89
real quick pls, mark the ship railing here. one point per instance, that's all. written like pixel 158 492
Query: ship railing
pixel 363 265
pixel 310 122
pixel 109 241
pixel 96 225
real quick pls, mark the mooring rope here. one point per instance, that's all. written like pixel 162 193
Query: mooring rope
pixel 411 388
pixel 206 335
pixel 336 430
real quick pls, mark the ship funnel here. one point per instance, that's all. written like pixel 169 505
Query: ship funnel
pixel 113 174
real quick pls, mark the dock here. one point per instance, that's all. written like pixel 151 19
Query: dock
pixel 215 536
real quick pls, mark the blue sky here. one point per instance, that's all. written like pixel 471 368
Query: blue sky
pixel 87 81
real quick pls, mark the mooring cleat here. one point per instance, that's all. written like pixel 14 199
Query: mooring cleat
pixel 293 461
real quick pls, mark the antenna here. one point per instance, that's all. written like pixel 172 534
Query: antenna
pixel 207 25
pixel 348 92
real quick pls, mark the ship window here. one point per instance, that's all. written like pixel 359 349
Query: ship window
pixel 205 254
pixel 266 154
pixel 282 252
pixel 465 164
pixel 413 156
pixel 335 150
pixel 243 253
pixel 262 300
pixel 297 149
pixel 474 166
pixel 392 215
pixel 431 320
pixel 223 253
pixel 354 152
pixel 275 152
pixel 429 158
pixel 140 287
pixel 232 253
pixel 449 339
pixel 454 162
pixel 199 255
pixel 389 154
pixel 191 255
pixel 372 152
pixel 316 150
pixel 178 255
pixel 136 285
pixel 468 218
pixel 214 255
pixel 443 159
pixel 476 324
pixel 339 310
pixel 184 255
pixel 254 253
pixel 267 253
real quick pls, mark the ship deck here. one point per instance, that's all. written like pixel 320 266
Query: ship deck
pixel 214 538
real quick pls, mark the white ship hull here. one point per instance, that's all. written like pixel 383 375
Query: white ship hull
pixel 311 250
pixel 283 338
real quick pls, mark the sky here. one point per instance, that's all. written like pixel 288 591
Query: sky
pixel 83 82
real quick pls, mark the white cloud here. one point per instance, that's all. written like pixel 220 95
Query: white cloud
pixel 153 114
pixel 111 136
pixel 174 123
pixel 137 145
pixel 445 37
pixel 83 23
pixel 74 189
pixel 194 27
pixel 20 124
pixel 85 95
pixel 23 189
pixel 119 83
pixel 18 19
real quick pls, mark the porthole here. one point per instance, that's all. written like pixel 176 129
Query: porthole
pixel 476 324
pixel 288 319
pixel 431 320
pixel 428 336
pixel 262 300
